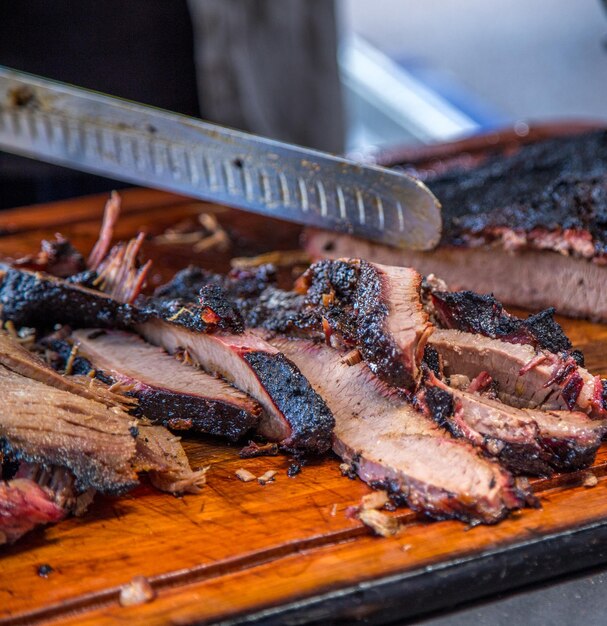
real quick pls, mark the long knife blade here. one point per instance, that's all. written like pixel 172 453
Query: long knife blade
pixel 120 139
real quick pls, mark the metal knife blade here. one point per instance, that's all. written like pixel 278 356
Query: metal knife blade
pixel 120 139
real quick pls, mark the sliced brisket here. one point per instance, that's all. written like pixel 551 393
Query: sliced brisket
pixel 169 392
pixel 525 376
pixel 294 414
pixel 390 444
pixel 376 309
pixel 526 441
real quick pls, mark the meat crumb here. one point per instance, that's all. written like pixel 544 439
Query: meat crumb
pixel 590 480
pixel 268 477
pixel 138 591
pixel 375 500
pixel 293 469
pixel 347 470
pixel 254 449
pixel 245 475
pixel 44 570
pixel 380 523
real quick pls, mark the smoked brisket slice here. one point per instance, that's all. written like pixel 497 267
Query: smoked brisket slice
pixel 526 441
pixel 294 414
pixel 525 376
pixel 376 307
pixel 169 392
pixel 390 444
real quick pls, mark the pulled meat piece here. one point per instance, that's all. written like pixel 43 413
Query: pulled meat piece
pixel 160 454
pixel 58 258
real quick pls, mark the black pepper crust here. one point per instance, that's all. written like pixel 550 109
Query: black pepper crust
pixel 310 419
pixel 484 315
pixel 209 417
pixel 41 301
pixel 553 184
pixel 88 471
pixel 375 343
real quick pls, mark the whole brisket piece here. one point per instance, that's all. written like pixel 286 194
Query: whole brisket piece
pixel 169 392
pixel 294 414
pixel 391 445
pixel 530 227
pixel 526 441
pixel 525 376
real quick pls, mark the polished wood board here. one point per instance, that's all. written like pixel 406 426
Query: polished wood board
pixel 285 552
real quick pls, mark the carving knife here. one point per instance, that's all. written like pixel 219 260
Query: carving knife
pixel 92 132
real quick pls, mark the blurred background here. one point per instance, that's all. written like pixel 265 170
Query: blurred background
pixel 342 76
pixel 433 70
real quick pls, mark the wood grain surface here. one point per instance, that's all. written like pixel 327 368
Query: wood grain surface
pixel 285 551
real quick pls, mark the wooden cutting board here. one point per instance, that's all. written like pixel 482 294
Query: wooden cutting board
pixel 284 552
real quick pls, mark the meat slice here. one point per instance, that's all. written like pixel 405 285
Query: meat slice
pixel 294 414
pixel 171 393
pixel 526 441
pixel 390 444
pixel 525 377
pixel 388 323
pixel 23 506
pixel 41 424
